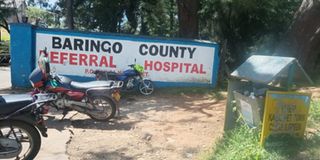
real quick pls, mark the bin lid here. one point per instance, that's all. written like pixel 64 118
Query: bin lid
pixel 266 69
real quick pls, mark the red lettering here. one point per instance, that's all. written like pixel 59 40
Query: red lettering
pixel 63 57
pixel 54 57
pixel 112 65
pixel 83 59
pixel 148 64
pixel 166 66
pixel 103 61
pixel 73 59
pixel 174 66
pixel 157 66
pixel 194 68
pixel 180 68
pixel 187 66
pixel 93 59
pixel 201 69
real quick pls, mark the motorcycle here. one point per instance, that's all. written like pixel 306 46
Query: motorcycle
pixel 98 99
pixel 132 78
pixel 20 123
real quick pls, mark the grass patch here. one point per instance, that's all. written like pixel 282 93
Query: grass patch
pixel 314 114
pixel 242 143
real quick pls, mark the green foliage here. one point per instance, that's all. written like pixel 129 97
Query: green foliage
pixel 246 23
pixel 41 3
pixel 155 18
pixel 248 26
pixel 42 17
pixel 144 17
pixel 314 114
pixel 242 143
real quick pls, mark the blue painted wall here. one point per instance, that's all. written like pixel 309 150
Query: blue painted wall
pixel 21 49
pixel 23 53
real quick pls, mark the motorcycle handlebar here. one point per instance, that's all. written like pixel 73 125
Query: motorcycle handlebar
pixel 44 51
pixel 45 97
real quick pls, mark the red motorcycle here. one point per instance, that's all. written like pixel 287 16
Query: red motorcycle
pixel 97 99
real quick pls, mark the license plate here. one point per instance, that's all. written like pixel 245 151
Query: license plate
pixel 116 96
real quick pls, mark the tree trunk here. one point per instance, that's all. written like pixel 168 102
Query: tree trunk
pixel 188 18
pixel 303 37
pixel 4 25
pixel 171 17
pixel 69 9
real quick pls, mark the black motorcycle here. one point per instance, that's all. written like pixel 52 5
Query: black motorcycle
pixel 20 123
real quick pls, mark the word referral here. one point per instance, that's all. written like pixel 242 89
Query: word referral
pixel 81 59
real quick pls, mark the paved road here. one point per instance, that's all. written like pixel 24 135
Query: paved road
pixel 5 78
pixel 54 146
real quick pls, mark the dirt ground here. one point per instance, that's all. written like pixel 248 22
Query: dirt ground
pixel 156 127
pixel 162 126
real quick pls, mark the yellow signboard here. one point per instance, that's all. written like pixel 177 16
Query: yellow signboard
pixel 285 113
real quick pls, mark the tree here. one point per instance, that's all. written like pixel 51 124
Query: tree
pixel 5 11
pixel 69 14
pixel 144 17
pixel 41 3
pixel 246 25
pixel 188 18
pixel 303 37
pixel 155 19
pixel 93 14
pixel 41 17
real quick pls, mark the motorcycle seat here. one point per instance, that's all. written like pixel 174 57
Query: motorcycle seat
pixel 11 103
pixel 92 84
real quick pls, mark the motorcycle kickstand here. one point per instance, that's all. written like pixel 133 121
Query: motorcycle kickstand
pixel 64 113
pixel 118 110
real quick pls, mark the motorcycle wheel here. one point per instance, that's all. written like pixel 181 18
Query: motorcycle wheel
pixel 146 87
pixel 26 135
pixel 103 109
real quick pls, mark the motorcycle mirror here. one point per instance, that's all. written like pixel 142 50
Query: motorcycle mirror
pixel 45 51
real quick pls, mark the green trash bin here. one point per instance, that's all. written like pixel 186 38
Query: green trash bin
pixel 248 84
